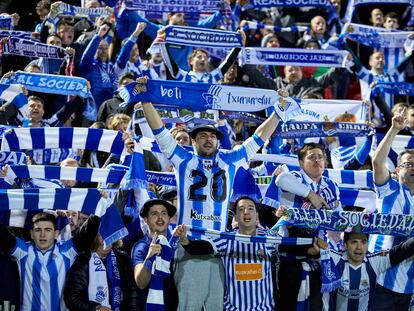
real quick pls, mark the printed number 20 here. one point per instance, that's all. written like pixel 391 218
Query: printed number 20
pixel 218 186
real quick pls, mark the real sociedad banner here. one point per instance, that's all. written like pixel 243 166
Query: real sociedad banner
pixel 49 83
pixel 64 9
pixel 288 3
pixel 202 37
pixel 6 22
pixel 203 96
pixel 375 36
pixel 332 110
pixel 400 88
pixel 11 157
pixel 182 6
pixel 355 222
pixel 294 57
pixel 322 129
pixel 31 48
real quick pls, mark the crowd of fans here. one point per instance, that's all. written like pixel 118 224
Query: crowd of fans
pixel 58 260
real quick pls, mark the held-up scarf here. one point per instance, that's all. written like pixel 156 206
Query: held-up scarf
pixel 203 96
pixel 64 9
pixel 202 37
pixel 160 271
pixel 183 6
pixel 343 221
pixel 49 83
pixel 98 286
pixel 32 48
pixel 294 57
pixel 88 201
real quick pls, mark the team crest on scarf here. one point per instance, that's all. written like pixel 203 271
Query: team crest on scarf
pixel 100 295
pixel 212 96
pixel 282 102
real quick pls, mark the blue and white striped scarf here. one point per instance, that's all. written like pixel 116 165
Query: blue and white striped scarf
pixel 88 201
pixel 88 174
pixel 63 137
pixel 160 271
pixel 401 88
pixel 13 93
pixel 258 25
pixel 49 83
pixel 202 37
pixel 12 157
pixel 294 57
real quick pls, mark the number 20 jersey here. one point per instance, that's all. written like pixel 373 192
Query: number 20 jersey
pixel 204 185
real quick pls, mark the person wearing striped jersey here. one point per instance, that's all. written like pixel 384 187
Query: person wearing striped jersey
pixel 198 61
pixel 205 178
pixel 359 270
pixel 248 266
pixel 43 263
pixel 396 285
pixel 305 189
pixel 128 59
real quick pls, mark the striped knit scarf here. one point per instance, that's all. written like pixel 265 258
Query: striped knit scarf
pixel 160 271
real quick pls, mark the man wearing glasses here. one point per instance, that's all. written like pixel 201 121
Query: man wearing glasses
pixel 396 285
pixel 306 188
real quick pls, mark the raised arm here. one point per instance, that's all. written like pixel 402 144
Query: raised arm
pixel 152 116
pixel 266 129
pixel 142 271
pixel 381 174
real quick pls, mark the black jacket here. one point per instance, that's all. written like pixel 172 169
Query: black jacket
pixel 77 280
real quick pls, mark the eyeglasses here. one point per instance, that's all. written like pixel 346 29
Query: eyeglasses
pixel 315 157
pixel 407 165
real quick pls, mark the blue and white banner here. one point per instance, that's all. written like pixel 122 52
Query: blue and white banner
pixel 288 3
pixel 182 6
pixel 231 236
pixel 294 57
pixel 63 137
pixel 400 88
pixel 332 110
pixel 203 96
pixel 352 4
pixel 31 48
pixel 17 34
pixel 376 37
pixel 202 37
pixel 6 22
pixel 52 156
pixel 48 83
pixel 13 93
pixel 64 9
pixel 294 129
pixel 88 201
pixel 161 178
pixel 355 222
pixel 12 157
pixel 258 25
pixel 88 174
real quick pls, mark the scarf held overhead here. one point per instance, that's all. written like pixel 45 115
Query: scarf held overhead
pixel 294 57
pixel 201 37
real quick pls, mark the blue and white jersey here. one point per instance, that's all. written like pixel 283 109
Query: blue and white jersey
pixel 326 188
pixel 393 57
pixel 205 184
pixel 394 198
pixel 248 268
pixel 211 77
pixel 43 275
pixel 366 77
pixel 357 282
